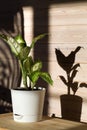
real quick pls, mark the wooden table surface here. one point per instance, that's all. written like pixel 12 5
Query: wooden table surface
pixel 7 123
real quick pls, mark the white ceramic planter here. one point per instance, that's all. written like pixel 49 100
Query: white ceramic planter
pixel 27 105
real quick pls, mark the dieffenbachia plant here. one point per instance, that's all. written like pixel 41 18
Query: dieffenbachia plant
pixel 30 69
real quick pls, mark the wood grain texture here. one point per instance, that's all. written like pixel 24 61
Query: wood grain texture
pixel 7 123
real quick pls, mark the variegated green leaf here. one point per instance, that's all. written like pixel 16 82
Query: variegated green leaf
pixel 37 38
pixel 27 63
pixel 35 76
pixel 46 77
pixel 24 53
pixel 37 66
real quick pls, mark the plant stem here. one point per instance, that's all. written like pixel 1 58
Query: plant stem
pixel 24 76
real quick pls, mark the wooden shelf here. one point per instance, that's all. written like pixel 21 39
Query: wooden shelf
pixel 48 123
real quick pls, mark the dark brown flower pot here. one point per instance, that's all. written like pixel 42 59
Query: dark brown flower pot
pixel 71 106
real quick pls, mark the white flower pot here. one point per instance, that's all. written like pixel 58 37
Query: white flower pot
pixel 27 105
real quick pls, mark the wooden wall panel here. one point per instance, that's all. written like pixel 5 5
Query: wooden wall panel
pixel 67 27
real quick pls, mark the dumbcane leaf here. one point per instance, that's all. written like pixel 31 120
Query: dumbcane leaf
pixel 36 39
pixel 63 79
pixel 27 63
pixel 16 43
pixel 11 42
pixel 46 77
pixel 24 53
pixel 37 66
pixel 20 40
pixel 34 76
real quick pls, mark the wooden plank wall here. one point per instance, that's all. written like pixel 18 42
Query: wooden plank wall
pixel 67 25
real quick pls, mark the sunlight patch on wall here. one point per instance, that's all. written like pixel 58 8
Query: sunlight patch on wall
pixel 68 30
pixel 28 23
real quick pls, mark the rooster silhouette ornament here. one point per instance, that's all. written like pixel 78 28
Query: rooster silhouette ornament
pixel 68 65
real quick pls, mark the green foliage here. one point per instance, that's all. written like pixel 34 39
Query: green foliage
pixel 30 69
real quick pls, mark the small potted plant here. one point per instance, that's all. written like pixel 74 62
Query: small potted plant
pixel 28 100
pixel 71 104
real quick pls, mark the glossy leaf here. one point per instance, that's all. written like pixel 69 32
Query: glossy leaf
pixel 11 42
pixel 19 39
pixel 36 39
pixel 46 77
pixel 27 63
pixel 37 66
pixel 35 76
pixel 30 69
pixel 24 53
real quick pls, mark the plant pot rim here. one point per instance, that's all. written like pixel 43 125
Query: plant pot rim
pixel 26 89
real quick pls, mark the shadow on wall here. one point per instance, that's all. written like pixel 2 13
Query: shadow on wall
pixel 67 63
pixel 9 76
pixel 11 17
pixel 11 22
pixel 71 104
